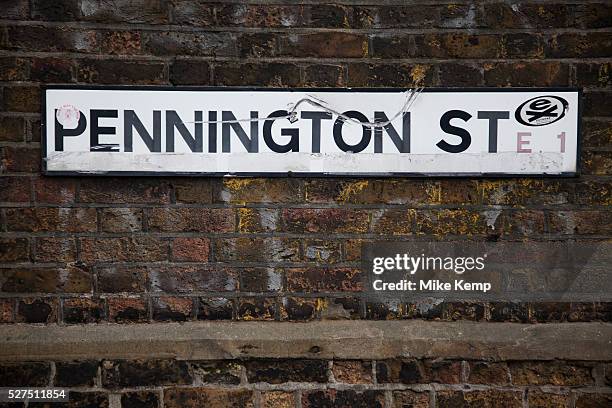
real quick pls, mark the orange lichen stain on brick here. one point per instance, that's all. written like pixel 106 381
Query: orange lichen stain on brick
pixel 365 48
pixel 321 304
pixel 350 189
pixel 418 72
pixel 434 193
pixel 246 218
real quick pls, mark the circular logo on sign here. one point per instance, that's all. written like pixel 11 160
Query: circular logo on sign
pixel 68 116
pixel 541 110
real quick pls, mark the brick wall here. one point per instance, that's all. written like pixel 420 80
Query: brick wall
pixel 77 250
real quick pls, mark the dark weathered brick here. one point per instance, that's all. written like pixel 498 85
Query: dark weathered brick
pixel 325 45
pixel 123 191
pixel 37 310
pixel 129 11
pixel 14 250
pixel 261 74
pixel 460 75
pixel 113 279
pixel 277 399
pixel 215 309
pixel 593 400
pixel 13 69
pixel 61 10
pixel 187 12
pixel 12 129
pixel 190 249
pixel 526 74
pixel 257 249
pixel 400 371
pixel 172 309
pixel 579 45
pixel 128 310
pixel 343 399
pixel 593 74
pixel 83 310
pixel 322 251
pixel 51 70
pixel 412 399
pixel 596 104
pixel 259 15
pixel 190 73
pixel 184 279
pixel 324 279
pixel 76 374
pixel 216 372
pixel 24 374
pixel 261 280
pixel 256 308
pixel 140 399
pixel 299 309
pixel 384 75
pixel 534 15
pixel 175 43
pixel 207 397
pixel 70 279
pixel 258 219
pixel 324 75
pixel 282 371
pixel 257 45
pixel 120 72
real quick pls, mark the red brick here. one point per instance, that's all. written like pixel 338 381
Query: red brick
pixel 538 399
pixel 19 160
pixel 328 220
pixel 54 249
pixel 121 220
pixel 550 372
pixel 191 219
pixel 352 371
pixel 208 397
pixel 190 249
pixel 51 190
pixel 258 219
pixel 134 249
pixel 7 310
pixel 128 310
pixel 121 42
pixel 14 189
pixel 482 372
pixel 277 399
pixel 412 399
pixel 51 219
